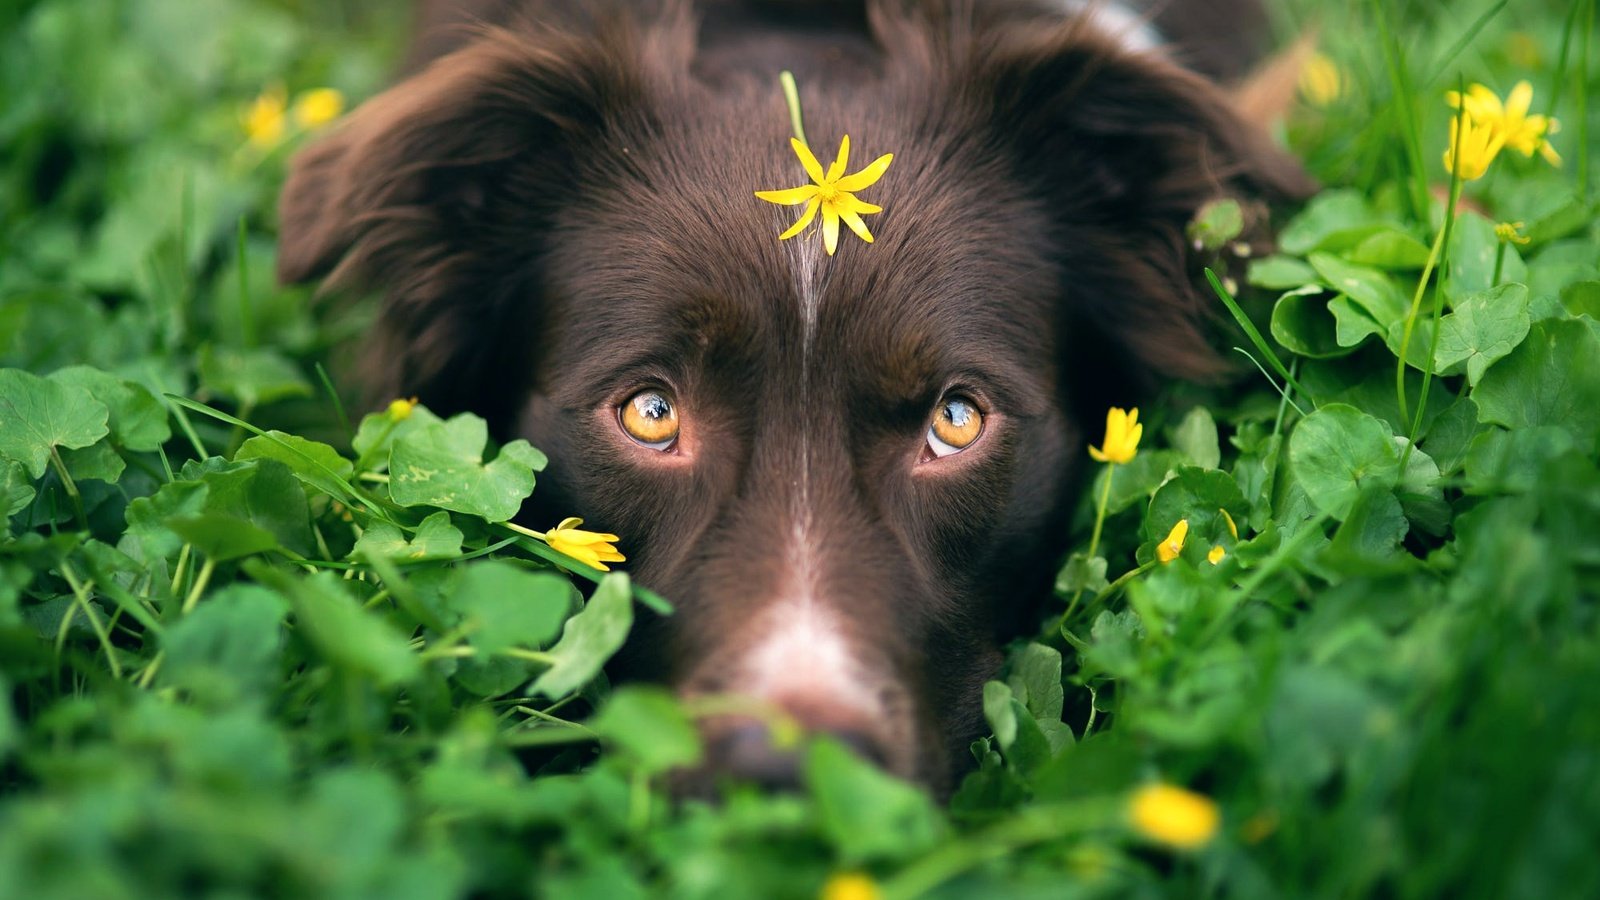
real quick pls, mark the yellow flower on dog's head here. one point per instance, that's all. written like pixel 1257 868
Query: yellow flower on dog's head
pixel 590 547
pixel 1174 816
pixel 1510 120
pixel 832 192
pixel 1122 437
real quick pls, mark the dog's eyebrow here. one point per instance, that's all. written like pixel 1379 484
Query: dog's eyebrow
pixel 645 334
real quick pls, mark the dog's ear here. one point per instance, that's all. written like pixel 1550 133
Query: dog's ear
pixel 437 194
pixel 1122 150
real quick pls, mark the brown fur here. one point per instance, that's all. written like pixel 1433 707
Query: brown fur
pixel 559 212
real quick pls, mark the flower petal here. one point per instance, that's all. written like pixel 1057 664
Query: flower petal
pixel 807 159
pixel 805 219
pixel 1519 100
pixel 853 204
pixel 856 225
pixel 866 177
pixel 790 197
pixel 837 169
pixel 830 228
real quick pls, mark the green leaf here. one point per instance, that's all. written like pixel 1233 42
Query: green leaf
pixel 1333 220
pixel 349 637
pixel 37 415
pixel 999 713
pixel 313 462
pixel 1196 438
pixel 1199 495
pixel 866 814
pixel 1485 327
pixel 589 639
pixel 1390 248
pixel 1375 292
pixel 1301 322
pixel 442 465
pixel 253 377
pixel 1374 527
pixel 1351 323
pixel 1550 379
pixel 1473 248
pixel 1511 461
pixel 649 728
pixel 16 488
pixel 262 492
pixel 1337 452
pixel 235 636
pixel 138 418
pixel 377 433
pixel 1216 223
pixel 1280 273
pixel 98 462
pixel 436 538
pixel 503 606
pixel 223 537
pixel 1082 574
pixel 1582 298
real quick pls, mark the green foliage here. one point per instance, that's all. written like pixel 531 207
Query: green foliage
pixel 249 650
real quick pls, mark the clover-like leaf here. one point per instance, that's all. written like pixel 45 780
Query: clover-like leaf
pixel 503 606
pixel 442 465
pixel 1552 378
pixel 138 418
pixel 1339 451
pixel 38 415
pixel 435 538
pixel 1485 327
pixel 313 462
pixel 589 639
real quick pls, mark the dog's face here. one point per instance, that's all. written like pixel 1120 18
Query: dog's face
pixel 849 472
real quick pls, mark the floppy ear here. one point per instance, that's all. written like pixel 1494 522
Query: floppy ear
pixel 437 194
pixel 1123 149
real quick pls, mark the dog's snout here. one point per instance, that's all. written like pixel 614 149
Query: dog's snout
pixel 748 751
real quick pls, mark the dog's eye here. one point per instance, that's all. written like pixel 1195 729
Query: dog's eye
pixel 650 418
pixel 955 427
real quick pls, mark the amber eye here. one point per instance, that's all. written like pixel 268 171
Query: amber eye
pixel 956 425
pixel 650 418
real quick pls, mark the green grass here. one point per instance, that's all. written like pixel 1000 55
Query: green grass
pixel 239 656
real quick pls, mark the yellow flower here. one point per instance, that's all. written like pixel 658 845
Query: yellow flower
pixel 400 410
pixel 1321 81
pixel 851 886
pixel 833 192
pixel 264 119
pixel 588 547
pixel 318 106
pixel 1174 816
pixel 1216 554
pixel 1511 232
pixel 1122 436
pixel 1172 544
pixel 1519 131
pixel 1479 144
pixel 1232 528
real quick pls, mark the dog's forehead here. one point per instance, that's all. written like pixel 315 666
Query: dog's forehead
pixel 682 239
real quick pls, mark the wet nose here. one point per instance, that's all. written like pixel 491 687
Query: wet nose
pixel 746 751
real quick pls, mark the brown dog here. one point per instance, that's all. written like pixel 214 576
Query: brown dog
pixel 850 471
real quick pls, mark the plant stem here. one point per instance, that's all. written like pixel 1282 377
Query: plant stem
pixel 80 594
pixel 1094 537
pixel 536 535
pixel 200 582
pixel 791 96
pixel 71 487
pixel 1434 254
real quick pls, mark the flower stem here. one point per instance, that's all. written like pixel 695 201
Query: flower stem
pixel 791 96
pixel 1094 538
pixel 1499 265
pixel 200 582
pixel 537 535
pixel 1422 284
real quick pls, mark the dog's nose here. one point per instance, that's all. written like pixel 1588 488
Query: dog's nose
pixel 746 751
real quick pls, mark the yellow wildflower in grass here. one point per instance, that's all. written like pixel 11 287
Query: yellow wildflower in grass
pixel 1479 145
pixel 1521 132
pixel 264 120
pixel 832 192
pixel 1511 233
pixel 1321 81
pixel 590 547
pixel 400 410
pixel 1174 816
pixel 1172 544
pixel 851 886
pixel 1122 437
pixel 318 107
pixel 1216 554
